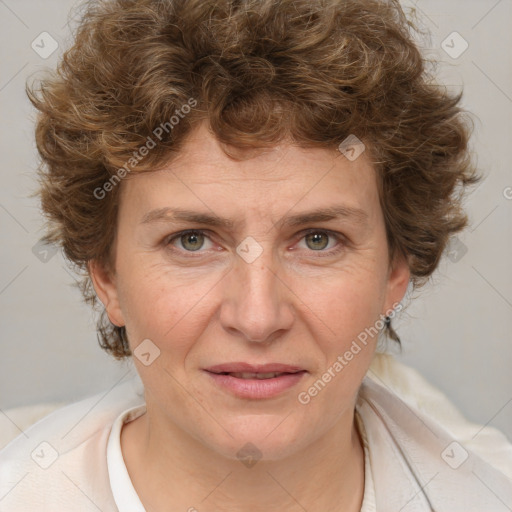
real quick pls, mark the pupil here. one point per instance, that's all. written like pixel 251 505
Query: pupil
pixel 315 238
pixel 194 238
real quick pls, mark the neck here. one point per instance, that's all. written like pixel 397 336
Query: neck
pixel 167 466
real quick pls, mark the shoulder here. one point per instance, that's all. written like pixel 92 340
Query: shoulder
pixel 417 393
pixel 60 461
pixel 420 446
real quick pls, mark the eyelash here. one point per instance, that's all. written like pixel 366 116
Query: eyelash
pixel 342 242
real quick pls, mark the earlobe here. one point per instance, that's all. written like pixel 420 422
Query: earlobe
pixel 105 285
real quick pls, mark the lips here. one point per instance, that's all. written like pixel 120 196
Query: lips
pixel 251 371
pixel 249 375
pixel 255 382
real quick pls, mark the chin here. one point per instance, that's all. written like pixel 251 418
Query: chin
pixel 259 437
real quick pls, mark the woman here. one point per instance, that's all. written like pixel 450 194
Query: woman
pixel 250 188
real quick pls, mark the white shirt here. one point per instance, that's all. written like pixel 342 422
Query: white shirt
pixel 125 496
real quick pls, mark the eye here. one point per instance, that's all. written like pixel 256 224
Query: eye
pixel 319 240
pixel 190 241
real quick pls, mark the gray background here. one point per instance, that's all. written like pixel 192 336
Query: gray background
pixel 457 332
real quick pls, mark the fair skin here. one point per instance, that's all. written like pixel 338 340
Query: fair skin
pixel 299 303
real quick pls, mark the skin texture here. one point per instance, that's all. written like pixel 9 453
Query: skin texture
pixel 294 304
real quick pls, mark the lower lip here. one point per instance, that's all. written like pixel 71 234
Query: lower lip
pixel 257 388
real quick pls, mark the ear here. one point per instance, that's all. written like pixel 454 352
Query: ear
pixel 398 280
pixel 105 285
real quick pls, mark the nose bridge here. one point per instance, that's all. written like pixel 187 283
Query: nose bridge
pixel 256 305
pixel 260 280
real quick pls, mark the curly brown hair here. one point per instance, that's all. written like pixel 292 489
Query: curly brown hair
pixel 258 70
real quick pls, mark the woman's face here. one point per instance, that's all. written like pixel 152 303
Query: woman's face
pixel 268 280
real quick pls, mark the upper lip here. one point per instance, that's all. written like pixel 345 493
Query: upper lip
pixel 254 368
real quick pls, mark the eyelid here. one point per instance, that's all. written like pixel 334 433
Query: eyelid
pixel 176 236
pixel 334 234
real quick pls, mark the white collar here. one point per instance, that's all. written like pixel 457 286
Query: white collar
pixel 124 493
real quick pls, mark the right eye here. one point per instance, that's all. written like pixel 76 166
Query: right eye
pixel 190 241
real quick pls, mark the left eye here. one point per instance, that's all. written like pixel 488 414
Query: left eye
pixel 317 240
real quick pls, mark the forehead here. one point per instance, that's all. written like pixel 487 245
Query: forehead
pixel 268 181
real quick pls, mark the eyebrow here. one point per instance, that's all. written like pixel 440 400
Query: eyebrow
pixel 356 215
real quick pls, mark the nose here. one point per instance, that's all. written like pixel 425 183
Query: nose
pixel 256 302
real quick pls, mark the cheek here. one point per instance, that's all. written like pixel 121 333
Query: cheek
pixel 163 306
pixel 344 303
pixel 347 313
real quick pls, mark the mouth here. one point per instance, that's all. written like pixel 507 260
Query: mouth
pixel 246 368
pixel 259 376
pixel 255 382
